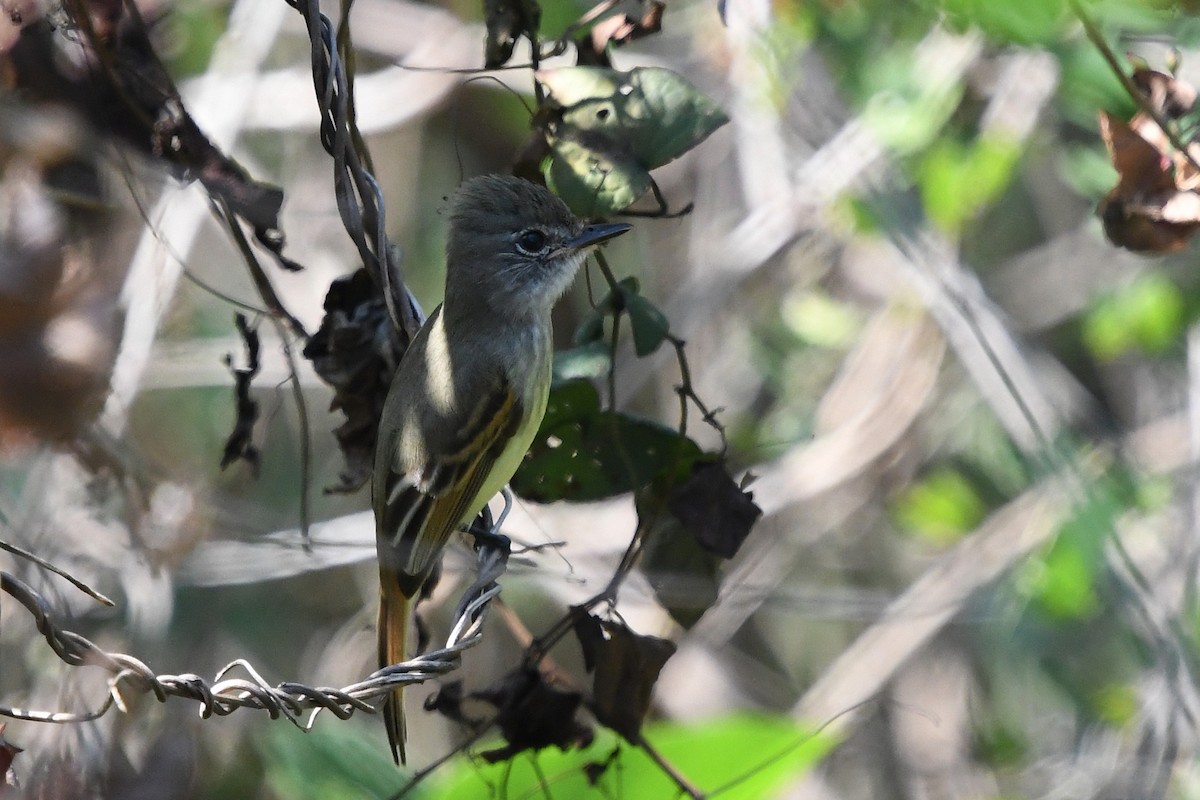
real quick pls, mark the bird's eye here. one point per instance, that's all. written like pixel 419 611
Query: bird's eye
pixel 531 242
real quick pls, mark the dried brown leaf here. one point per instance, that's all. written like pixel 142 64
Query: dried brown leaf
pixel 8 752
pixel 240 443
pixel 355 352
pixel 714 508
pixel 122 88
pixel 620 29
pixel 1152 207
pixel 1167 94
pixel 507 21
pixel 626 667
pixel 532 714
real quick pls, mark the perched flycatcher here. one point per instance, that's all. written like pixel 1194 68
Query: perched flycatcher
pixel 471 389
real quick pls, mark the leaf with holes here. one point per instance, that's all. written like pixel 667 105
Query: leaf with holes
pixel 653 112
pixel 582 453
pixel 593 175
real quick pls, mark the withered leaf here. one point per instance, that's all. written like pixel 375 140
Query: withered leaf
pixel 532 715
pixel 1141 168
pixel 619 29
pixel 8 752
pixel 626 668
pixel 507 21
pixel 355 351
pixel 1167 94
pixel 54 222
pixel 133 98
pixel 682 573
pixel 716 510
pixel 448 701
pixel 1148 210
pixel 240 444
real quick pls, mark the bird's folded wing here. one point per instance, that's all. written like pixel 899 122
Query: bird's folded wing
pixel 419 511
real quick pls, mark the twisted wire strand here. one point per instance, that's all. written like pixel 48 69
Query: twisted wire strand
pixel 359 198
pixel 223 694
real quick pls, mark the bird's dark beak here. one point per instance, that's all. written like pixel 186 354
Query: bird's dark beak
pixel 595 234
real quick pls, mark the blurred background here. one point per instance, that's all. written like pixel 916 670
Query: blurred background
pixel 970 420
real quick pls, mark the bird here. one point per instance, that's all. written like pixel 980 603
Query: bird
pixel 470 391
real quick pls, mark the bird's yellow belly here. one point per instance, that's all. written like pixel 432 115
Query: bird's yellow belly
pixel 518 445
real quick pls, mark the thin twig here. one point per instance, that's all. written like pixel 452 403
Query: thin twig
pixel 669 769
pixel 69 578
pixel 283 320
pixel 305 437
pixel 258 276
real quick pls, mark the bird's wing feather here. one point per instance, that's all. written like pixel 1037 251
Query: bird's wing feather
pixel 420 511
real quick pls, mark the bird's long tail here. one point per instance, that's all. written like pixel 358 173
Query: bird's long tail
pixel 393 627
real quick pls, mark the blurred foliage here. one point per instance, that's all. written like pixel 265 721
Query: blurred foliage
pixel 192 32
pixel 1056 650
pixel 332 762
pixel 744 756
pixel 1147 315
pixel 940 508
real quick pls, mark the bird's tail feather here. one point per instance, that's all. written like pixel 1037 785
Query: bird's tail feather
pixel 393 627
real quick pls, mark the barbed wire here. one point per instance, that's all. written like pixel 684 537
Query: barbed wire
pixel 223 695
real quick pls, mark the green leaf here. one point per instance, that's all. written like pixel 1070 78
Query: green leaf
pixel 747 757
pixel 908 110
pixel 999 745
pixel 820 320
pixel 582 453
pixel 650 326
pixel 1116 703
pixel 652 112
pixel 1147 315
pixel 1155 308
pixel 1088 84
pixel 1066 588
pixel 1064 582
pixel 617 126
pixel 958 181
pixel 591 328
pixel 1025 22
pixel 1105 332
pixel 941 508
pixel 592 175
